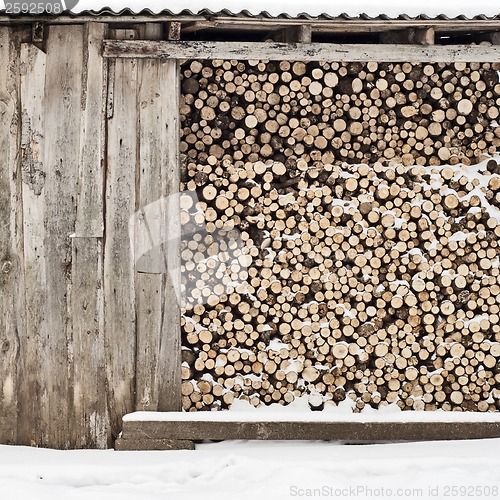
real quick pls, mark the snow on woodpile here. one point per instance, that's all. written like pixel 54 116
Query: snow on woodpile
pixel 350 238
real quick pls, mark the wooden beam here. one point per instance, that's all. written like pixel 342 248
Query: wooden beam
pixel 338 25
pixel 299 52
pixel 182 431
pixel 106 19
pixel 153 444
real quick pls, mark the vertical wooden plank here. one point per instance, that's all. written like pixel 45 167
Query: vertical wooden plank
pixel 33 169
pixel 86 302
pixel 119 278
pixel 119 295
pixel 149 294
pixel 90 211
pixel 148 252
pixel 63 90
pixel 169 364
pixel 62 107
pixel 10 247
pixel 157 239
pixel 88 404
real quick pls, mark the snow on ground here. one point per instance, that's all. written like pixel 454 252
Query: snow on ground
pixel 253 470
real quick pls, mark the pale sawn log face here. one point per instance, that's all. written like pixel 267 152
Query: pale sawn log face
pixel 349 244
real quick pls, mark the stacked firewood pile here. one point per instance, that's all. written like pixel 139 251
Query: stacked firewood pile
pixel 343 238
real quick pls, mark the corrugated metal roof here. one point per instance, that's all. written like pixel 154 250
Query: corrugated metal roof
pixel 267 15
pixel 209 14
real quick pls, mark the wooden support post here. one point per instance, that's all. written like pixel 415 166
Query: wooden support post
pixel 37 33
pixel 417 36
pixel 151 31
pixel 174 31
pixel 123 34
pixel 145 31
pixel 494 38
pixel 295 34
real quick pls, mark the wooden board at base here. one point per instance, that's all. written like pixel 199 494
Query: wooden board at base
pixel 152 444
pixel 193 430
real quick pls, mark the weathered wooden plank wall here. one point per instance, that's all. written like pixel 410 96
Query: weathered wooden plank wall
pixel 119 278
pixel 11 324
pixel 168 373
pixel 61 110
pixel 86 298
pixel 158 314
pixel 30 378
pixel 150 265
pixel 84 144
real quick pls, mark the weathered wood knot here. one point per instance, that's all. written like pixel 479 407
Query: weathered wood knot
pixel 7 267
pixel 5 346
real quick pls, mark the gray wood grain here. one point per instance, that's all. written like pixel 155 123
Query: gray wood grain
pixel 151 146
pixel 169 365
pixel 90 207
pixel 86 305
pixel 150 259
pixel 119 282
pixel 89 426
pixel 62 126
pixel 299 51
pixel 10 235
pixel 157 239
pixel 149 306
pixel 31 378
pixel 347 430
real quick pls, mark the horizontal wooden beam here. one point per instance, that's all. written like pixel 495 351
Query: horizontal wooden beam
pixel 152 444
pixel 299 51
pixel 337 25
pixel 342 25
pixel 101 18
pixel 180 430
